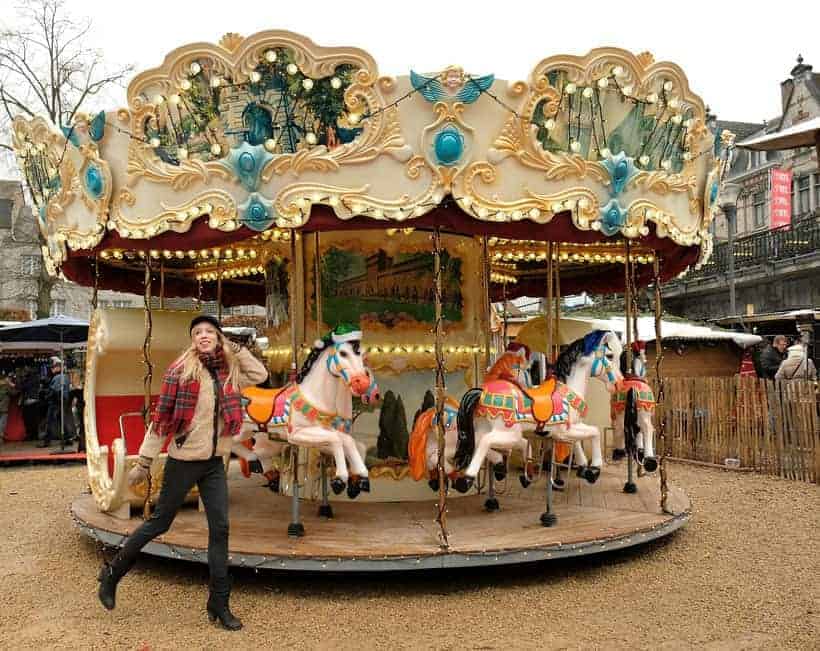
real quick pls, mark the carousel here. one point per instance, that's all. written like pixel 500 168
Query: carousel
pixel 376 219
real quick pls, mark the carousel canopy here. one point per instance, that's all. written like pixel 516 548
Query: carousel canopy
pixel 235 146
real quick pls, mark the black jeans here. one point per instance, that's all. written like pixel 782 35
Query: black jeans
pixel 179 479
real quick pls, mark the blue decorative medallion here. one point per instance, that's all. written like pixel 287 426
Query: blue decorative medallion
pixel 96 129
pixel 256 212
pixel 94 182
pixel 71 135
pixel 246 162
pixel 713 193
pixel 613 218
pixel 448 146
pixel 621 169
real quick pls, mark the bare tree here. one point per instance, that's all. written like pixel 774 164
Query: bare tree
pixel 46 67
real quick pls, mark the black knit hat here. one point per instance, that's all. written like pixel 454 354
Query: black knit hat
pixel 205 318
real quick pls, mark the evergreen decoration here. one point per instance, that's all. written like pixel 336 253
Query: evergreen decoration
pixel 393 434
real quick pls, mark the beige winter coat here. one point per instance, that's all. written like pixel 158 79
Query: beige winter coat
pixel 794 366
pixel 198 443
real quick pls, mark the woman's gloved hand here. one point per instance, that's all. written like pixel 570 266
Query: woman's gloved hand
pixel 139 473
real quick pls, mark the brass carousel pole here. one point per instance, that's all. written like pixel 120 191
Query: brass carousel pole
pixel 548 517
pixel 96 282
pixel 219 288
pixel 161 285
pixel 441 512
pixel 629 486
pixel 661 397
pixel 317 284
pixel 149 373
pixel 557 290
pixel 485 282
pixel 294 352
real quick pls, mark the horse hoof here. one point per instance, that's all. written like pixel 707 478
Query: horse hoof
pixel 630 487
pixel 433 484
pixel 491 505
pixel 640 455
pixel 525 481
pixel 273 485
pixel 325 511
pixel 364 484
pixel 337 486
pixel 558 484
pixel 618 454
pixel 500 471
pixel 296 530
pixel 591 474
pixel 256 467
pixel 353 490
pixel 463 484
pixel 548 519
pixel 650 464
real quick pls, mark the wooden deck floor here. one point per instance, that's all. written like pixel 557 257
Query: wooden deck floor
pixel 590 517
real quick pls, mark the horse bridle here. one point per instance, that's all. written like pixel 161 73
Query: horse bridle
pixel 600 361
pixel 334 367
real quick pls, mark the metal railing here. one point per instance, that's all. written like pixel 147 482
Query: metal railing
pixel 800 238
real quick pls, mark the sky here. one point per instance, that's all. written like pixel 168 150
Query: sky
pixel 735 54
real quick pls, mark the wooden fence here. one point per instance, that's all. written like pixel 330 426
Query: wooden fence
pixel 770 426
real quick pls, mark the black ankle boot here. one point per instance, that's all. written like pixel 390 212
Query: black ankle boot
pixel 107 593
pixel 218 609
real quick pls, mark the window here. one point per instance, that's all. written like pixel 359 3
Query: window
pixel 32 308
pixel 760 209
pixel 31 264
pixel 803 189
pixel 6 206
pixel 57 306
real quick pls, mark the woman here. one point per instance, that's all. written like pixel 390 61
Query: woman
pixel 200 406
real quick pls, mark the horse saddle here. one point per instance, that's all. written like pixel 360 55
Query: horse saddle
pixel 262 404
pixel 547 401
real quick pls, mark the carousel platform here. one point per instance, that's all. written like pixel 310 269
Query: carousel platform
pixel 13 453
pixel 394 536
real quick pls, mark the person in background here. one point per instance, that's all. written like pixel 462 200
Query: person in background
pixel 772 357
pixel 7 390
pixel 797 365
pixel 60 418
pixel 30 402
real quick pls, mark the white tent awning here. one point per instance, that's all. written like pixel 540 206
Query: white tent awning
pixel 803 134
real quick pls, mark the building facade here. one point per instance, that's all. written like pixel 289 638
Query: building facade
pixel 770 269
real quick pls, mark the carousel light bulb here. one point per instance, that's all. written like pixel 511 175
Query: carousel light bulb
pixel 666 164
pixel 583 203
pixel 556 207
pixel 652 98
pixel 605 153
pixel 668 86
pixel 687 156
pixel 204 254
pixel 644 160
pixel 182 153
pixel 292 69
pixel 618 71
pixel 270 56
pixel 167 254
pixel 336 83
pixel 307 84
pixel 215 81
pixel 603 82
pixel 677 118
pixel 688 124
pixel 354 118
pixel 154 254
pixel 333 201
pixel 179 255
pixel 175 99
pixel 159 99
pixel 575 146
pixel 569 204
pixel 195 68
pixel 310 138
pixel 154 142
pixel 483 212
pixel 570 88
pixel 627 90
pixel 185 85
pixel 252 254
pixel 549 124
pixel 255 76
pixel 674 103
pixel 587 92
pixel 216 149
pixel 270 144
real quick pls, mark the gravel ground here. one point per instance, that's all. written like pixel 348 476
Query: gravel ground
pixel 745 573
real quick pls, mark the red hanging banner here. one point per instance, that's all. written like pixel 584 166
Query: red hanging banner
pixel 780 209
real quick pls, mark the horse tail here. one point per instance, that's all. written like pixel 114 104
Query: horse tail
pixel 466 429
pixel 417 445
pixel 631 427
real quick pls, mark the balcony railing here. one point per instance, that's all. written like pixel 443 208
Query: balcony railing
pixel 801 238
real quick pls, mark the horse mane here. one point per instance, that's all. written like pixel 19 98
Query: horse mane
pixel 578 348
pixel 502 369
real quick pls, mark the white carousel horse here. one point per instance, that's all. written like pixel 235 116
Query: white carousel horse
pixel 632 408
pixel 493 416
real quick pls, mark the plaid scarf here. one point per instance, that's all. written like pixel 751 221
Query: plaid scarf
pixel 175 406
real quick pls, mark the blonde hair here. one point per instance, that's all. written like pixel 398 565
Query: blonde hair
pixel 192 367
